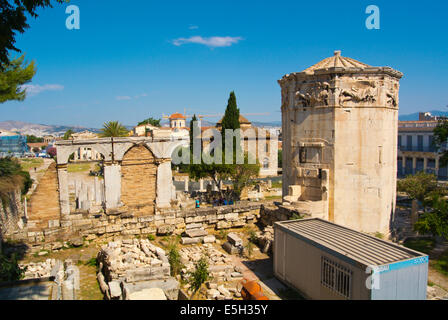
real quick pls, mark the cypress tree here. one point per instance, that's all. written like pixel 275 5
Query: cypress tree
pixel 231 120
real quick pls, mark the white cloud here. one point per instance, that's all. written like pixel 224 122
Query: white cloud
pixel 34 89
pixel 141 95
pixel 193 27
pixel 121 98
pixel 211 42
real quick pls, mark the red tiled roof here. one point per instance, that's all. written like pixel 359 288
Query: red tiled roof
pixel 177 116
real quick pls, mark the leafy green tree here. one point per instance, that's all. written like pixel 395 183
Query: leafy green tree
pixel 34 139
pixel 419 186
pixel 14 15
pixel 151 121
pixel 440 138
pixel 240 174
pixel 68 134
pixel 13 76
pixel 11 176
pixel 434 221
pixel 113 129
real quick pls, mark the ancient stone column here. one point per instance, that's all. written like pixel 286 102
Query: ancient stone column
pixel 64 200
pixel 164 184
pixel 186 184
pixel 112 185
pixel 201 185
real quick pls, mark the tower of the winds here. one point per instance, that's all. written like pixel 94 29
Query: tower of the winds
pixel 340 122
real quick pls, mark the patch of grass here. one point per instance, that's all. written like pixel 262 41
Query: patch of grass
pixel 151 237
pixel 91 262
pixel 277 184
pixel 441 264
pixel 295 216
pixel 28 164
pixel 78 167
pixel 424 245
pixel 272 197
pixel 379 235
pixel 222 234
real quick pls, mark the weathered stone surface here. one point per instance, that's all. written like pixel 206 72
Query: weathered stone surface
pixel 114 290
pixel 148 294
pixel 186 240
pixel 230 249
pixel 165 229
pixel 170 287
pixel 234 239
pixel 193 233
pixel 338 110
pixel 209 239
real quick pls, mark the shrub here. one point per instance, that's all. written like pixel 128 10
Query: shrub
pixel 200 275
pixel 252 236
pixel 10 269
pixel 174 259
pixel 222 235
pixel 151 237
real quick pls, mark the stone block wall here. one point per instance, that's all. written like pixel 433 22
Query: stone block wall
pixel 138 182
pixel 92 227
pixel 43 207
pixel 10 212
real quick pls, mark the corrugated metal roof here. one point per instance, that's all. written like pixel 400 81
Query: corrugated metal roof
pixel 353 244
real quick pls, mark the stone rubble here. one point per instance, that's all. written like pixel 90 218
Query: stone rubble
pixel 65 277
pixel 36 270
pixel 221 269
pixel 134 261
pixel 266 239
pixel 234 244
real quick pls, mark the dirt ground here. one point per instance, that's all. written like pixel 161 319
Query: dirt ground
pixel 80 256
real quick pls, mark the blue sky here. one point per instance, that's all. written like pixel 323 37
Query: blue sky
pixel 135 59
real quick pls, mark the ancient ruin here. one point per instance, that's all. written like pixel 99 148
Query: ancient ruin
pixel 340 121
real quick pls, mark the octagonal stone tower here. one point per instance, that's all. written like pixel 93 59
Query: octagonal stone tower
pixel 340 124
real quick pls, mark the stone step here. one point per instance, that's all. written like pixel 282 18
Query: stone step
pixel 194 233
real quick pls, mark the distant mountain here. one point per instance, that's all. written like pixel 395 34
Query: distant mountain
pixel 40 130
pixel 267 124
pixel 414 116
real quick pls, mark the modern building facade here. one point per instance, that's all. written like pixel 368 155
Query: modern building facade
pixel 416 150
pixel 13 145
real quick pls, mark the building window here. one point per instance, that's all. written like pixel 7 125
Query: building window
pixel 399 141
pixel 266 164
pixel 310 155
pixel 409 143
pixel 336 277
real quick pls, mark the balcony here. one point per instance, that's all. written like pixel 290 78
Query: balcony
pixel 418 149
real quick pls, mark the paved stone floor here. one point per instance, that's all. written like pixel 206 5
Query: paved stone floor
pixel 39 291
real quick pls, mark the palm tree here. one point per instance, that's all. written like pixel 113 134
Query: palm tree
pixel 113 129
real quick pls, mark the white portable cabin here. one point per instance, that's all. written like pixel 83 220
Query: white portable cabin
pixel 326 261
